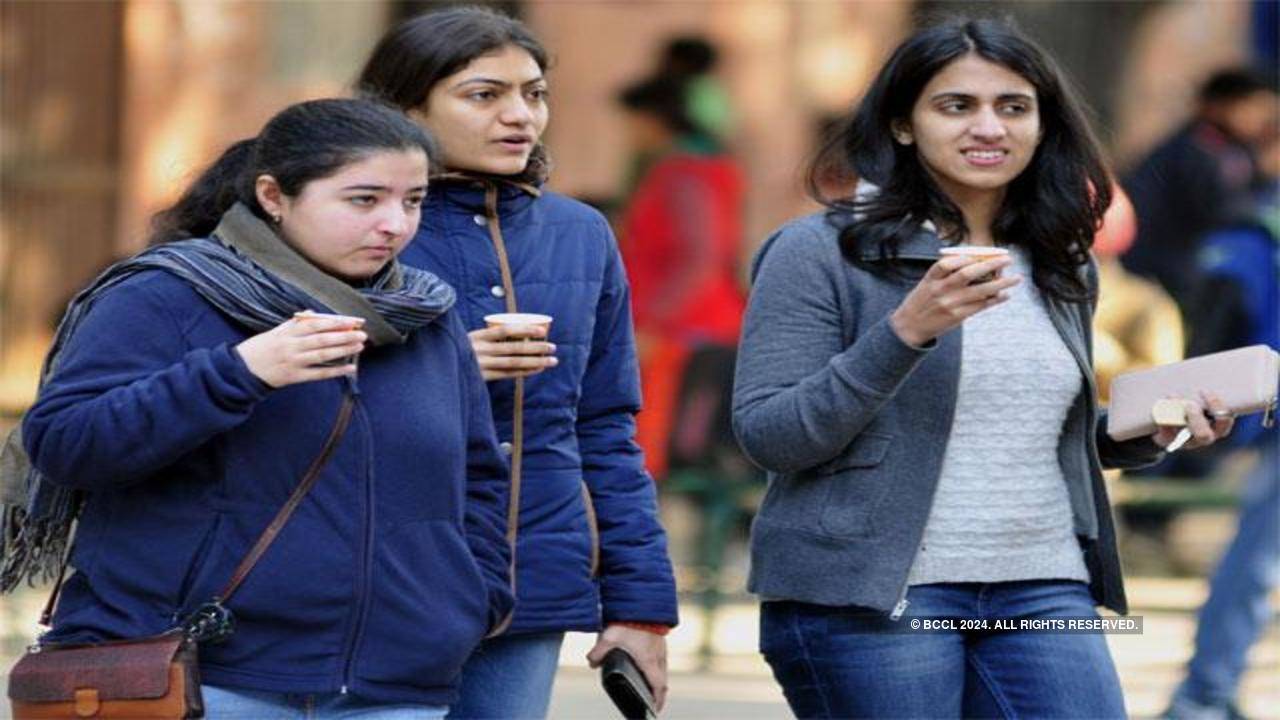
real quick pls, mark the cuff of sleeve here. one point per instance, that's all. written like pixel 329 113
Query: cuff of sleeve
pixel 880 360
pixel 232 367
pixel 655 628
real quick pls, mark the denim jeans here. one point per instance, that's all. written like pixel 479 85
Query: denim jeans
pixel 1237 610
pixel 509 677
pixel 236 704
pixel 849 662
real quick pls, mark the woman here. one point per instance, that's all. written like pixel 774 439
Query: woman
pixel 912 474
pixel 184 402
pixel 583 519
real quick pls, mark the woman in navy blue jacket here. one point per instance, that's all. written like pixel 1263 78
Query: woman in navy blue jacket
pixel 184 402
pixel 588 543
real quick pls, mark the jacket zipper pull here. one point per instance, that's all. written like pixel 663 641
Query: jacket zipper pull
pixel 898 609
pixel 1269 417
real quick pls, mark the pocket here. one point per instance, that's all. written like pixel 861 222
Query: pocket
pixel 856 486
pixel 429 607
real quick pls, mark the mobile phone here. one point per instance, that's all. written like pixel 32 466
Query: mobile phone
pixel 626 686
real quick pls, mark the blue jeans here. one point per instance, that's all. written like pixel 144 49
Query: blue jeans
pixel 1236 612
pixel 849 662
pixel 509 676
pixel 236 704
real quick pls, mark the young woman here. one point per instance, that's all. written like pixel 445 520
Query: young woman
pixel 583 516
pixel 919 468
pixel 184 403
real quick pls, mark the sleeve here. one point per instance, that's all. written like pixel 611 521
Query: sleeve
pixel 1128 454
pixel 637 583
pixel 488 486
pixel 129 397
pixel 800 396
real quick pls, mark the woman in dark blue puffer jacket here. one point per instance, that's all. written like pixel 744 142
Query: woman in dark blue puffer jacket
pixel 185 403
pixel 588 544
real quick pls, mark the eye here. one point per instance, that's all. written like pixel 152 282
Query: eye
pixel 482 95
pixel 539 94
pixel 363 200
pixel 413 201
pixel 1016 109
pixel 953 106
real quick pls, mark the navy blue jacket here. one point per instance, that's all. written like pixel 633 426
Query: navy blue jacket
pixel 579 419
pixel 385 578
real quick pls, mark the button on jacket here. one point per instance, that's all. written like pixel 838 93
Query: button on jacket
pixel 385 578
pixel 589 544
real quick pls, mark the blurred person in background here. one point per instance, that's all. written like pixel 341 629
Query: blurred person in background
pixel 589 548
pixel 1136 325
pixel 681 235
pixel 1199 178
pixel 183 403
pixel 919 469
pixel 1240 271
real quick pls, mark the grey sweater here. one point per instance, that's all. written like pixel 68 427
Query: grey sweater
pixel 852 425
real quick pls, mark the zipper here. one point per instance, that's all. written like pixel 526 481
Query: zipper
pixel 1269 417
pixel 903 603
pixel 362 587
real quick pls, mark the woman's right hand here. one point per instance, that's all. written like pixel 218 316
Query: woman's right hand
pixel 512 351
pixel 292 352
pixel 948 294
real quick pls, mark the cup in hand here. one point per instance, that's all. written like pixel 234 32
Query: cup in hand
pixel 978 253
pixel 352 323
pixel 513 321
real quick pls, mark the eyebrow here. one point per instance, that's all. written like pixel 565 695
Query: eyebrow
pixel 494 81
pixel 999 98
pixel 379 188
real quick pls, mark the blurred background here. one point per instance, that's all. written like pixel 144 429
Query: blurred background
pixel 109 107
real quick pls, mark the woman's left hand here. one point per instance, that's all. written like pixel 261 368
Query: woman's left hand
pixel 1204 432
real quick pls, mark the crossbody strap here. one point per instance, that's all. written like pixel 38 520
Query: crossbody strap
pixel 264 540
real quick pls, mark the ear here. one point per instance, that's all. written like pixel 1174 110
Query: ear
pixel 901 132
pixel 270 197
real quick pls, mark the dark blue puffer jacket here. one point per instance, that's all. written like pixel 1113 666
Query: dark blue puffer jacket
pixel 385 578
pixel 589 536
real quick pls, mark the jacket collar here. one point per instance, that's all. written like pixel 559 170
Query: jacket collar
pixel 477 193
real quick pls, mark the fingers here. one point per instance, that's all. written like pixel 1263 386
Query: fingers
pixel 1221 419
pixel 503 333
pixel 959 271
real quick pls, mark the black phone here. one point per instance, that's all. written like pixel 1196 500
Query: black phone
pixel 626 686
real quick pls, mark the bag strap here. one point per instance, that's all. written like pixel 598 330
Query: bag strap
pixel 268 536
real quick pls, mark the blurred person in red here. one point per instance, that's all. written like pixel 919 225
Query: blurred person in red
pixel 680 235
pixel 1200 177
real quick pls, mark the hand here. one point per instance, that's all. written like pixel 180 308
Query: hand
pixel 292 352
pixel 944 297
pixel 649 650
pixel 1203 431
pixel 512 351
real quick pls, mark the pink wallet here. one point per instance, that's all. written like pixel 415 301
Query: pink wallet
pixel 1246 379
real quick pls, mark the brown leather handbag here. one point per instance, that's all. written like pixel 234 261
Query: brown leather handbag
pixel 150 678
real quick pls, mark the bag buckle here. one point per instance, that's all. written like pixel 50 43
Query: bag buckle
pixel 211 623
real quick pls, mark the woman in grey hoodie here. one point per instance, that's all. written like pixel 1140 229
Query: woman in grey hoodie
pixel 917 470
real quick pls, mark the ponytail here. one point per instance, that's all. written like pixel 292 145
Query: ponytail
pixel 228 181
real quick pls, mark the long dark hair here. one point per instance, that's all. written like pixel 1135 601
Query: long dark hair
pixel 1052 208
pixel 418 53
pixel 304 142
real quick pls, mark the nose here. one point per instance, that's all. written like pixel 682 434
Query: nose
pixel 988 126
pixel 397 220
pixel 517 112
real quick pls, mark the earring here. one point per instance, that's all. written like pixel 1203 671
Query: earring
pixel 276 219
pixel 902 138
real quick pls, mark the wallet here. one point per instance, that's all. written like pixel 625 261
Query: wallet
pixel 1246 379
pixel 626 686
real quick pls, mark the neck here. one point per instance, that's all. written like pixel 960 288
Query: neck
pixel 979 208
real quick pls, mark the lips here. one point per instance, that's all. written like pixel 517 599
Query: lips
pixel 516 143
pixel 985 157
